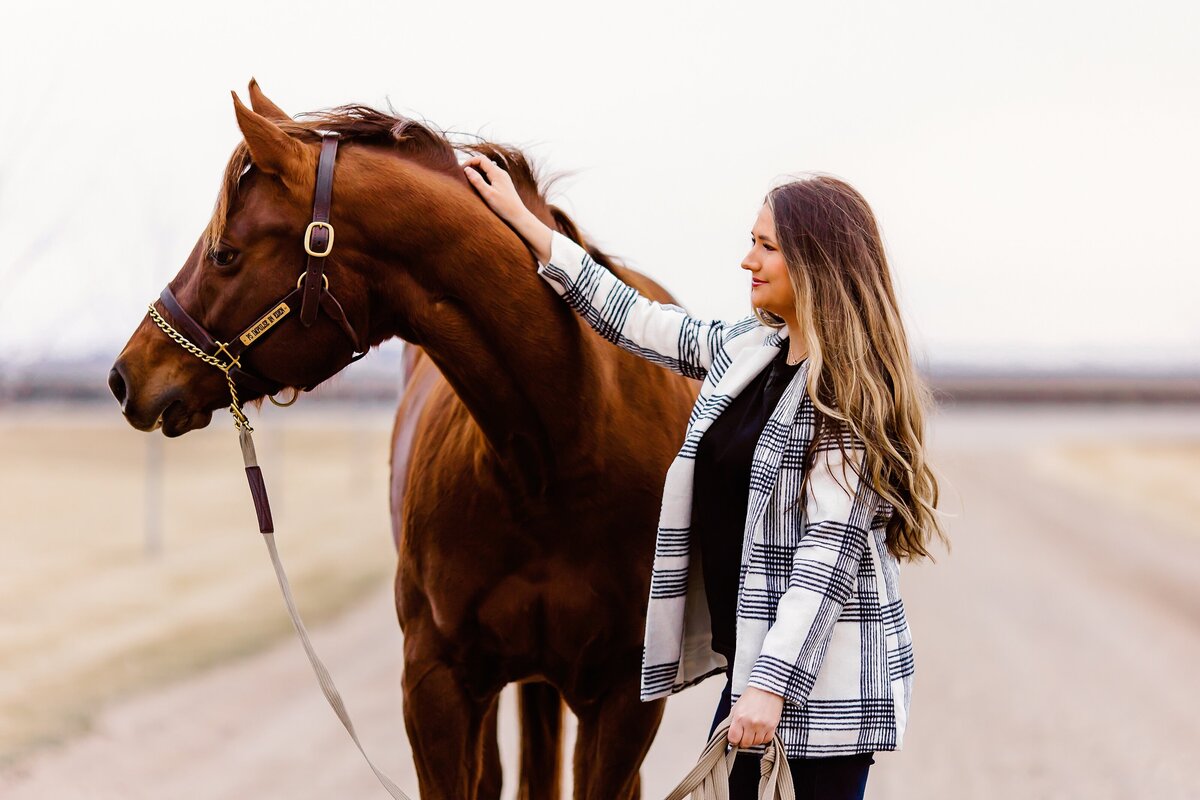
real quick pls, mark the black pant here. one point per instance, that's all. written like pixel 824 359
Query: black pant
pixel 825 778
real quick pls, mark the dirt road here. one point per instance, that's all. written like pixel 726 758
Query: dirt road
pixel 1056 650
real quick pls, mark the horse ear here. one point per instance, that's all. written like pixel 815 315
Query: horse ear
pixel 262 105
pixel 272 150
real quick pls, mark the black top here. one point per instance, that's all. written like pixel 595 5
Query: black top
pixel 721 492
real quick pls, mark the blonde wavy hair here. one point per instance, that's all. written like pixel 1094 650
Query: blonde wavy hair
pixel 861 376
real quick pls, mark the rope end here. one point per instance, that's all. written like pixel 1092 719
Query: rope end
pixel 262 506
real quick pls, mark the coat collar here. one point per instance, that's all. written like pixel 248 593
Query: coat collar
pixel 744 366
pixel 785 436
pixel 750 360
pixel 776 337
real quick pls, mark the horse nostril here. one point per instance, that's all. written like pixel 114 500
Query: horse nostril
pixel 117 384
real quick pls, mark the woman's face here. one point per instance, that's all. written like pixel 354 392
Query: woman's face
pixel 770 288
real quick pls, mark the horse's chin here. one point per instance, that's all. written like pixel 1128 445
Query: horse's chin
pixel 176 420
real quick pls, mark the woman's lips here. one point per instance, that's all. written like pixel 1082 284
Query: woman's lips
pixel 756 282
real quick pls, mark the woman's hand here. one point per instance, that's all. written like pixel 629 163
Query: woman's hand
pixel 754 717
pixel 500 194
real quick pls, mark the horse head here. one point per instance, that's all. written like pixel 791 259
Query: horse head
pixel 413 252
pixel 250 257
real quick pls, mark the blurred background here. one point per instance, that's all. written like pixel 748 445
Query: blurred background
pixel 1032 166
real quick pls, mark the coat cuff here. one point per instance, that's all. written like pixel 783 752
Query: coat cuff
pixel 567 256
pixel 778 676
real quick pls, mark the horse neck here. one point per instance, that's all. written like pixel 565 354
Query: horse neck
pixel 470 296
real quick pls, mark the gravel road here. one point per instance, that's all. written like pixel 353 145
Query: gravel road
pixel 1056 648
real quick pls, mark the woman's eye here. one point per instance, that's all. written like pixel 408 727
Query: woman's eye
pixel 223 258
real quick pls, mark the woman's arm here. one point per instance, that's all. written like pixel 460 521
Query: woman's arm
pixel 838 516
pixel 659 332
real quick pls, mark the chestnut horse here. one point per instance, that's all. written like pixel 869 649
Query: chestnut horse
pixel 528 453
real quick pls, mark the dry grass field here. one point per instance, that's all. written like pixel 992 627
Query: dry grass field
pixel 90 609
pixel 1161 479
pixel 1055 646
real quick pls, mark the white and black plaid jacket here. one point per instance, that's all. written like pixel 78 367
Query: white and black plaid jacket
pixel 819 616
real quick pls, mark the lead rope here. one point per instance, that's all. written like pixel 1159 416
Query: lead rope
pixel 709 779
pixel 266 526
pixel 262 507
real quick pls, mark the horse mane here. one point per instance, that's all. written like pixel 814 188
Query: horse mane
pixel 418 141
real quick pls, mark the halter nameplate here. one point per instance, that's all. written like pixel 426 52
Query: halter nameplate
pixel 265 324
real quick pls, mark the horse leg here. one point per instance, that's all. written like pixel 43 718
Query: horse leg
pixel 492 779
pixel 446 729
pixel 612 739
pixel 540 708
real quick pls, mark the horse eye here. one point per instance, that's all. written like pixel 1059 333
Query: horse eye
pixel 224 257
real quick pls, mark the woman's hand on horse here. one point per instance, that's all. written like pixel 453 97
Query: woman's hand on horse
pixel 500 194
pixel 754 717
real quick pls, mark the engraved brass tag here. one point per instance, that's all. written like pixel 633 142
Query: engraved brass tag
pixel 265 324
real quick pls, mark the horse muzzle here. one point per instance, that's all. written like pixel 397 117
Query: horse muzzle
pixel 152 404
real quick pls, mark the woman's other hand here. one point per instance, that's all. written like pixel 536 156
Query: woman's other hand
pixel 754 717
pixel 501 196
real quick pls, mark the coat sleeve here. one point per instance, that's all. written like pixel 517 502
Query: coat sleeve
pixel 660 332
pixel 838 513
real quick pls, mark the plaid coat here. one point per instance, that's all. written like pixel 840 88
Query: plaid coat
pixel 820 621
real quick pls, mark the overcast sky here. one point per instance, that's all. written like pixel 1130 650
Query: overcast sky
pixel 1033 165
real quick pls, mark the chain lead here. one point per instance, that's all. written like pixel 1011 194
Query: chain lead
pixel 240 420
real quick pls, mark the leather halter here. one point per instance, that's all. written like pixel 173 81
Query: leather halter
pixel 311 295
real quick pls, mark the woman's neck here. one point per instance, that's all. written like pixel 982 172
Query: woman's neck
pixel 795 342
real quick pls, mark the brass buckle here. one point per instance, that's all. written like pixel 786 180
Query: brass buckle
pixel 308 238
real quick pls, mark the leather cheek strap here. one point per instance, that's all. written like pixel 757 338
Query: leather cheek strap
pixel 314 286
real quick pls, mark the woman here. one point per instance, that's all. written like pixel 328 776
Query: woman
pixel 775 564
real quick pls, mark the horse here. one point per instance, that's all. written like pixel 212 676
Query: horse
pixel 528 453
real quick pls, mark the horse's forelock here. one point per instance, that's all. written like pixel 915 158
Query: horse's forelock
pixel 239 163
